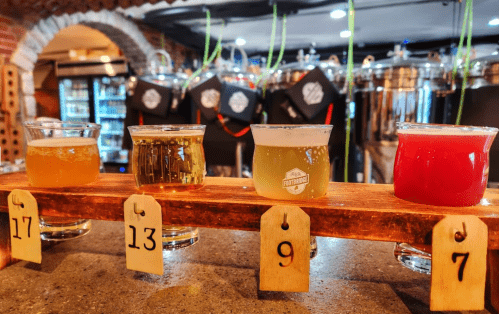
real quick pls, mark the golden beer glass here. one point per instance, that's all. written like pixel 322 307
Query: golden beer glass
pixel 291 162
pixel 169 158
pixel 62 154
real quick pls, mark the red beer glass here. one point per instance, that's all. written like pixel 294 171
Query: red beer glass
pixel 442 165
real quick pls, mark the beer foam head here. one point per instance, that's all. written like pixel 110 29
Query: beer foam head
pixel 291 135
pixel 166 134
pixel 63 142
pixel 443 130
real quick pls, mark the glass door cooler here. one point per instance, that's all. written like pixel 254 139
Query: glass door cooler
pixel 110 112
pixel 94 91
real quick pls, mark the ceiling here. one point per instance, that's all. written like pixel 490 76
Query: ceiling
pixel 377 22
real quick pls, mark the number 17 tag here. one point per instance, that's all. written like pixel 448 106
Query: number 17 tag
pixel 24 227
pixel 458 264
pixel 285 249
pixel 144 247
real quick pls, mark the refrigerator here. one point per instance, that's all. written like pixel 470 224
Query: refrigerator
pixel 94 91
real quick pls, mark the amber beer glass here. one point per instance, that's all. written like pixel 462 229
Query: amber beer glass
pixel 61 154
pixel 291 162
pixel 169 158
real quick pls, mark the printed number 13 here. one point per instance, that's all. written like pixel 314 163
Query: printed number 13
pixel 134 238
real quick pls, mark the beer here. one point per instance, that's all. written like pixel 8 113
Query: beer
pixel 442 165
pixel 58 162
pixel 300 172
pixel 291 162
pixel 170 161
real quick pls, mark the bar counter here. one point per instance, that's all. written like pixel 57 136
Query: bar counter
pixel 217 275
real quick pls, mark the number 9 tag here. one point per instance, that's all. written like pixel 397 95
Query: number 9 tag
pixel 144 246
pixel 24 227
pixel 285 249
pixel 458 265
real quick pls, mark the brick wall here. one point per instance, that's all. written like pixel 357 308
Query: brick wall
pixel 177 52
pixel 10 34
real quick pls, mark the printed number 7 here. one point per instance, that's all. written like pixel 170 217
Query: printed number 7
pixel 463 263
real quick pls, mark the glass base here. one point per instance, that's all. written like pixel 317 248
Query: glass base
pixel 62 229
pixel 175 238
pixel 413 258
pixel 313 247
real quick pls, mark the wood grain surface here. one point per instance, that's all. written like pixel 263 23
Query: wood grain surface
pixel 349 210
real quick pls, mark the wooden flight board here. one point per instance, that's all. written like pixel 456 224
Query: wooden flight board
pixel 349 210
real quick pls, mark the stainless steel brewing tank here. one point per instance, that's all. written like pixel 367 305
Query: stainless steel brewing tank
pixel 480 102
pixel 393 90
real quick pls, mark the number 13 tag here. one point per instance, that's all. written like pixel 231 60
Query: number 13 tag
pixel 458 264
pixel 285 249
pixel 144 247
pixel 24 227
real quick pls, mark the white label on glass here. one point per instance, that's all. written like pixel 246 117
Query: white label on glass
pixel 312 93
pixel 295 181
pixel 238 102
pixel 151 99
pixel 210 98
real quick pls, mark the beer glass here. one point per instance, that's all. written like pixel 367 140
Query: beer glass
pixel 61 154
pixel 291 162
pixel 169 158
pixel 442 165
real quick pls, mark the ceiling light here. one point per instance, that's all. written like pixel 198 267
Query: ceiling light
pixel 240 41
pixel 494 22
pixel 345 34
pixel 338 14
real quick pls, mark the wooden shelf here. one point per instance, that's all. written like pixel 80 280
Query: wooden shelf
pixel 349 210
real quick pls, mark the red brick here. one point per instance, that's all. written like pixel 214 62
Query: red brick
pixel 6 53
pixel 9 37
pixel 19 31
pixel 5 20
pixel 8 44
pixel 4 27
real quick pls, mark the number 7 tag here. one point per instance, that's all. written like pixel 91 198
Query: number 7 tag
pixel 144 246
pixel 459 261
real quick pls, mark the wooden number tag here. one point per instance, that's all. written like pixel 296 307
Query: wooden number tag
pixel 458 264
pixel 144 246
pixel 285 249
pixel 24 227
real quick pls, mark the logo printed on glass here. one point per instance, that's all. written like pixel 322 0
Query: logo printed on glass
pixel 238 102
pixel 151 99
pixel 210 98
pixel 312 93
pixel 295 181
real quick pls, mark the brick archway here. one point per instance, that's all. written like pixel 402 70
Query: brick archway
pixel 123 32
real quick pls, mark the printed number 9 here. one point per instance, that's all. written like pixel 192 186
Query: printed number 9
pixel 291 253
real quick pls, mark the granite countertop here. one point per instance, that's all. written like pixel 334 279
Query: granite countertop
pixel 217 275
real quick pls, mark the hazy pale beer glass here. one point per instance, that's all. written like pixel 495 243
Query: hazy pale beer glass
pixel 291 162
pixel 61 154
pixel 169 158
pixel 442 165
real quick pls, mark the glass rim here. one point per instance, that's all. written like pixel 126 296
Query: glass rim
pixel 62 125
pixel 291 126
pixel 169 127
pixel 406 127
